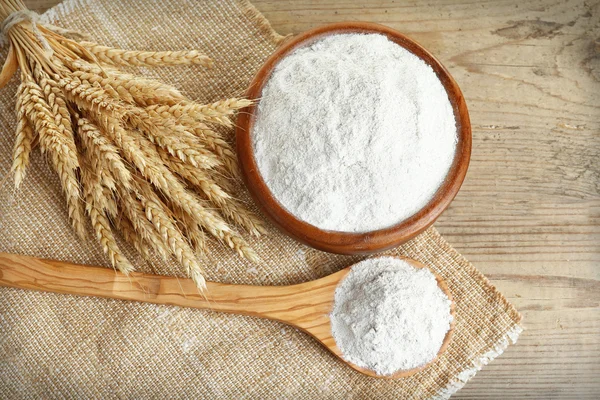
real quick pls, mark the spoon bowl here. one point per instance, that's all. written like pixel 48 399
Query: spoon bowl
pixel 305 306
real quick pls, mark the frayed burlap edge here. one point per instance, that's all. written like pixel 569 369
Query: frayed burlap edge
pixel 477 275
pixel 497 348
pixel 461 380
pixel 263 24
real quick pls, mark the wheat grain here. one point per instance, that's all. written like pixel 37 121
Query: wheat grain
pixel 241 247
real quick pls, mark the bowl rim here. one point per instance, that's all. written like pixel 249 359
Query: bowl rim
pixel 352 242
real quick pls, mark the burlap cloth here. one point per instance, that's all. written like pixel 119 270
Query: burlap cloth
pixel 59 346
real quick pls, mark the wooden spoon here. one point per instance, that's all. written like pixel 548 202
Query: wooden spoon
pixel 306 306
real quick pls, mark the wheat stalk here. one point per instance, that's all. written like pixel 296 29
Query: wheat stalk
pixel 148 162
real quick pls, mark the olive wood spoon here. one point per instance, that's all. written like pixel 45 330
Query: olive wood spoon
pixel 306 305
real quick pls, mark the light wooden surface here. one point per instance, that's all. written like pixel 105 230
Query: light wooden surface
pixel 528 214
pixel 305 306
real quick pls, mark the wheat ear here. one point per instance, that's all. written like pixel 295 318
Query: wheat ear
pixel 148 160
pixel 201 180
pixel 218 112
pixel 56 100
pixel 191 228
pixel 127 87
pixel 219 146
pixel 88 96
pixel 241 247
pixel 144 155
pixel 106 154
pixel 93 194
pixel 134 212
pixel 160 216
pixel 58 147
pixel 210 139
pixel 111 55
pixel 184 145
pixel 24 137
pixel 127 230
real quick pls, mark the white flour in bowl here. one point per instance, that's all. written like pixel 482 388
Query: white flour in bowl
pixel 389 316
pixel 353 133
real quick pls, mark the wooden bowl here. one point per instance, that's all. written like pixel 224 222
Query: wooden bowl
pixel 348 242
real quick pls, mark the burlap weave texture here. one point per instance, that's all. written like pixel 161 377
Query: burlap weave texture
pixel 58 346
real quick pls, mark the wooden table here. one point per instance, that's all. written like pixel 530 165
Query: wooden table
pixel 528 215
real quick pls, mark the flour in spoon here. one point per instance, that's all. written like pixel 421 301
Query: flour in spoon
pixel 389 316
pixel 353 133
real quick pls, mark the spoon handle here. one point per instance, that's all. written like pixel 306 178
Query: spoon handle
pixel 294 304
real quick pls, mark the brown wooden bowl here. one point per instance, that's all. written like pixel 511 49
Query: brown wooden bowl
pixel 348 242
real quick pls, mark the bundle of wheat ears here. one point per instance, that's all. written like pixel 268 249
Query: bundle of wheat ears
pixel 132 153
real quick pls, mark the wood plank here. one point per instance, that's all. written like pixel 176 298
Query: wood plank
pixel 528 215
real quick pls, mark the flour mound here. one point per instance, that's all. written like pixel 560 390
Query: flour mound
pixel 354 133
pixel 389 316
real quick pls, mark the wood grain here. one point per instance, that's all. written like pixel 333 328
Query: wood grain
pixel 352 242
pixel 528 214
pixel 306 305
